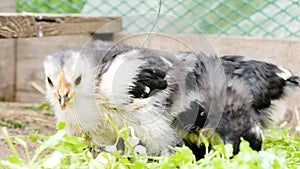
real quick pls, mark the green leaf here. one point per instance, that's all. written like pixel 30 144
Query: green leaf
pixel 54 160
pixel 51 142
pixel 61 125
pixel 33 137
pixel 24 144
pixel 14 159
pixel 183 156
pixel 54 140
pixel 276 164
pixel 9 142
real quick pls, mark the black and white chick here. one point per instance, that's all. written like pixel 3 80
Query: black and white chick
pixel 167 99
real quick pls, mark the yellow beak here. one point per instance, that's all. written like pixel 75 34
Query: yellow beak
pixel 63 92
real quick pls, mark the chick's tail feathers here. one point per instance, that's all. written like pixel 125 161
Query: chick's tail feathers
pixel 294 81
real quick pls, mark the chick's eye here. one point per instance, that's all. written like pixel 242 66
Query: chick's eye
pixel 49 82
pixel 77 80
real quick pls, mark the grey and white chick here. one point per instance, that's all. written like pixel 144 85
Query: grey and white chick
pixel 168 99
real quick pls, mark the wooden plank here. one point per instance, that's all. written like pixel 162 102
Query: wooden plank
pixel 7 58
pixel 8 6
pixel 178 42
pixel 13 25
pixel 284 52
pixel 30 55
pixel 7 69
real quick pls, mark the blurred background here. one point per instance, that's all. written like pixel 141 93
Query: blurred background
pixel 256 18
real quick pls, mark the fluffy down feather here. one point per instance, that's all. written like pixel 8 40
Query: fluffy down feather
pixel 169 99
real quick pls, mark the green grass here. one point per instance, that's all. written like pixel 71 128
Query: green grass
pixel 11 124
pixel 43 107
pixel 280 150
pixel 50 6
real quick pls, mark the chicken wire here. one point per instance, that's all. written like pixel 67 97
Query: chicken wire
pixel 257 18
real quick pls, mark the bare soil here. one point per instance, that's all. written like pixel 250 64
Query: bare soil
pixel 22 120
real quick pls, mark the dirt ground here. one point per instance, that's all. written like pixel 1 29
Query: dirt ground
pixel 22 119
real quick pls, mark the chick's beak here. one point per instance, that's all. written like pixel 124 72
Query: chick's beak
pixel 63 92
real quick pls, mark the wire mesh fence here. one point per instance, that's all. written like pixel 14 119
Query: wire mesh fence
pixel 257 18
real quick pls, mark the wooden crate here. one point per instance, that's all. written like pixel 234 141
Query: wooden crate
pixel 25 40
